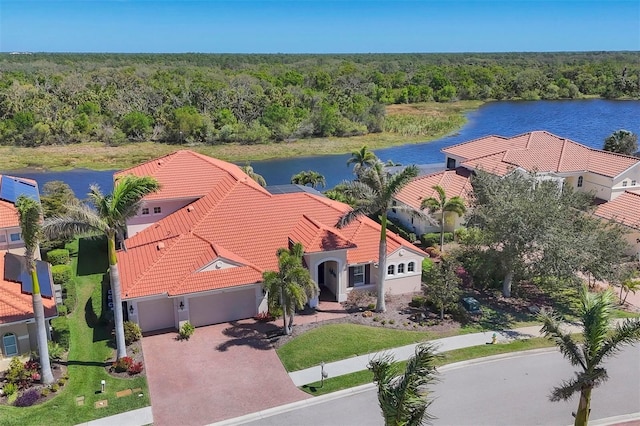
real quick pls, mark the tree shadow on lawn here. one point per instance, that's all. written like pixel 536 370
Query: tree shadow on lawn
pixel 255 335
pixel 92 256
pixel 101 330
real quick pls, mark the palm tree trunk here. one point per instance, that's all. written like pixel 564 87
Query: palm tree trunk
pixel 442 313
pixel 382 264
pixel 582 416
pixel 284 313
pixel 506 284
pixel 442 232
pixel 114 276
pixel 290 325
pixel 41 326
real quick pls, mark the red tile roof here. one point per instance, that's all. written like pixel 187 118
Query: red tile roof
pixel 8 215
pixel 187 174
pixel 541 151
pixel 241 222
pixel 16 306
pixel 454 182
pixel 625 208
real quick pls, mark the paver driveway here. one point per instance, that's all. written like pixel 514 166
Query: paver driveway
pixel 223 371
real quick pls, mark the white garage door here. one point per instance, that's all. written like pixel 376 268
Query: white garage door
pixel 222 307
pixel 156 314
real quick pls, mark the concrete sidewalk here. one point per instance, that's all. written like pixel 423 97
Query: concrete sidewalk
pixel 139 417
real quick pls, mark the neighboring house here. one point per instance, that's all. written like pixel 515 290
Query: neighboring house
pixel 626 210
pixel 198 247
pixel 17 324
pixel 607 175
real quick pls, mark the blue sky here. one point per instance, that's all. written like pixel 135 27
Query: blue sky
pixel 317 26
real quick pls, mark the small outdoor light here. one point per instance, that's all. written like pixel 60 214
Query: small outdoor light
pixel 181 305
pixel 131 309
pixel 102 385
pixel 323 374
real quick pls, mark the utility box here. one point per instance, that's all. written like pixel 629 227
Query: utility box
pixel 471 305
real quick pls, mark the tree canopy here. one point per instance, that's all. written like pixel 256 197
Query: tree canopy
pixel 622 142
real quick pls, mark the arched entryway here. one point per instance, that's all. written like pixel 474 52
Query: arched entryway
pixel 327 279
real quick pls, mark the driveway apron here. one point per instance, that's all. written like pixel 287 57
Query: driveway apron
pixel 223 371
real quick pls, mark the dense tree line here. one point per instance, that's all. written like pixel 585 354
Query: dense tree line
pixel 219 98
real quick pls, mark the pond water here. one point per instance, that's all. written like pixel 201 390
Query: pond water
pixel 586 121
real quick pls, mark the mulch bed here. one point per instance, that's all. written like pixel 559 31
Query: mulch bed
pixel 134 351
pixel 59 370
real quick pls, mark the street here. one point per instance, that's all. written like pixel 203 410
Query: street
pixel 510 391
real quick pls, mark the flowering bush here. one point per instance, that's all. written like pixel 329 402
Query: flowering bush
pixel 123 364
pixel 135 368
pixel 28 398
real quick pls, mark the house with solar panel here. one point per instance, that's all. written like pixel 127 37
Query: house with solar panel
pixel 198 247
pixel 17 323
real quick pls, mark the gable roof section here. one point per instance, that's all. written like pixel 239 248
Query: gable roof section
pixel 244 224
pixel 540 151
pixel 455 182
pixel 8 215
pixel 187 174
pixel 16 306
pixel 625 208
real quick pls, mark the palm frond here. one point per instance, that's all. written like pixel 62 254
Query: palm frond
pixel 79 220
pixel 399 180
pixel 596 312
pixel 551 328
pixel 582 380
pixel 128 191
pixel 624 334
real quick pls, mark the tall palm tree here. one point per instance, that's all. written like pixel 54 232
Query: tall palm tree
pixel 600 342
pixel 443 205
pixel 291 287
pixel 253 175
pixel 404 399
pixel 374 189
pixel 30 216
pixel 309 177
pixel 362 159
pixel 108 217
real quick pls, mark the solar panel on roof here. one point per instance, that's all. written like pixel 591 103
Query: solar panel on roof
pixel 15 270
pixel 11 188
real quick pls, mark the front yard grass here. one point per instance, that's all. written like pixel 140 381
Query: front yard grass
pixel 363 377
pixel 90 347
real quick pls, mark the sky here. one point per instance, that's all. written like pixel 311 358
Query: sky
pixel 318 26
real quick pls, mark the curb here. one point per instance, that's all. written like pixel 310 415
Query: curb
pixel 492 358
pixel 616 420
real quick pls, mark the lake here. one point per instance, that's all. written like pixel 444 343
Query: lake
pixel 586 121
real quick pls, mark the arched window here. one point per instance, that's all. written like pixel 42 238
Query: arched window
pixel 411 267
pixel 391 270
pixel 401 268
pixel 10 344
pixel 579 181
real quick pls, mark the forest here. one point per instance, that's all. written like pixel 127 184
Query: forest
pixel 49 99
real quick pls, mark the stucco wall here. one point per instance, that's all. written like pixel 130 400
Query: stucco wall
pixel 22 335
pixel 598 184
pixel 140 221
pixel 7 243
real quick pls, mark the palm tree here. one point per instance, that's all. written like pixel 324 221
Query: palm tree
pixel 443 205
pixel 361 159
pixel 30 216
pixel 600 342
pixel 109 218
pixel 291 287
pixel 253 175
pixel 310 177
pixel 630 283
pixel 374 190
pixel 403 400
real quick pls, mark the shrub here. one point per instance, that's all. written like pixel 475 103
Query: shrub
pixel 383 322
pixel 432 251
pixel 135 368
pixel 376 319
pixel 61 274
pixel 62 310
pixel 186 331
pixel 61 333
pixel 123 364
pixel 55 387
pixel 418 301
pixel 62 382
pixel 45 392
pixel 28 398
pixel 69 295
pixel 55 350
pixel 10 388
pixel 367 314
pixel 433 238
pixel 58 257
pixel 132 332
pixel 17 373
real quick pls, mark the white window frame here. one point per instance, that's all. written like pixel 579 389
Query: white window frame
pixel 13 237
pixel 157 210
pixel 391 269
pixel 15 344
pixel 411 267
pixel 400 268
pixel 633 183
pixel 144 211
pixel 358 271
pixel 624 183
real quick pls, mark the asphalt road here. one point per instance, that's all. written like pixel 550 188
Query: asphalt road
pixel 509 391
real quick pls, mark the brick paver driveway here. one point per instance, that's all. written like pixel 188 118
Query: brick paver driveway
pixel 223 371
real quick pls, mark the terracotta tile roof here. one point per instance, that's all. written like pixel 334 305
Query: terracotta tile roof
pixel 187 174
pixel 454 182
pixel 246 225
pixel 16 306
pixel 541 151
pixel 625 208
pixel 8 215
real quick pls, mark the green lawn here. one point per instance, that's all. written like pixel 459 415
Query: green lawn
pixel 334 342
pixel 89 349
pixel 363 377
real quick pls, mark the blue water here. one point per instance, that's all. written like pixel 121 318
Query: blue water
pixel 586 121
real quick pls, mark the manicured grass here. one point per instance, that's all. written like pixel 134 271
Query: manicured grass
pixel 620 313
pixel 89 349
pixel 363 377
pixel 444 118
pixel 334 342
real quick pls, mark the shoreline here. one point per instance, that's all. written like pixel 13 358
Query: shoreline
pixel 97 156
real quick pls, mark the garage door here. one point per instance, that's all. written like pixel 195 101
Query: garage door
pixel 222 307
pixel 156 314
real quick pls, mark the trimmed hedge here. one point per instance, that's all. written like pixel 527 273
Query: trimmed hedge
pixel 61 274
pixel 61 334
pixel 433 238
pixel 58 257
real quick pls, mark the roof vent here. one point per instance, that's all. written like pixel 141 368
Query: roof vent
pixel 160 246
pixel 190 208
pixel 218 264
pixel 160 162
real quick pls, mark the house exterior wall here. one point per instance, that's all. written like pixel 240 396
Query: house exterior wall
pixel 6 238
pixel 21 330
pixel 598 184
pixel 450 158
pixel 312 261
pixel 406 281
pixel 630 178
pixel 140 221
pixel 417 225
